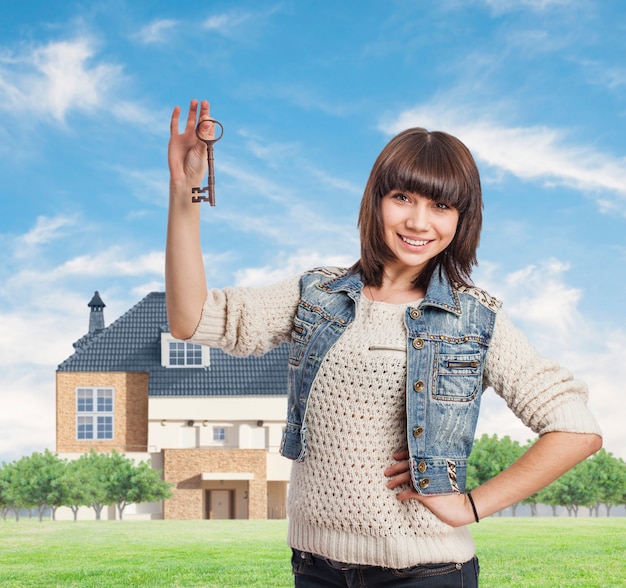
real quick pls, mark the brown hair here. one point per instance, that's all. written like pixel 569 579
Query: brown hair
pixel 435 165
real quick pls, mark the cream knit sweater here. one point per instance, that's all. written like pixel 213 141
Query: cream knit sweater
pixel 339 506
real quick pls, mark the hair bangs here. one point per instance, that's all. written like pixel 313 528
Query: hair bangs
pixel 429 170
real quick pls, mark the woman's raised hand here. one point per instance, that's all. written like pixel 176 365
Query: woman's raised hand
pixel 187 155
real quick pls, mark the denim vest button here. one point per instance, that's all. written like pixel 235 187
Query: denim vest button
pixel 415 313
pixel 421 467
pixel 418 431
pixel 418 343
pixel 424 483
pixel 418 386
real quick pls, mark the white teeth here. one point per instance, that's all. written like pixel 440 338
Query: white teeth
pixel 412 242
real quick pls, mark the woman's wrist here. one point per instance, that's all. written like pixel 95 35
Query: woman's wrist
pixel 473 505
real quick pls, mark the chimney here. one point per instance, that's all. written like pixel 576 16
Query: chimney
pixel 96 316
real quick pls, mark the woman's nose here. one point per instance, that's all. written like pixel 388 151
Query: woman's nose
pixel 419 218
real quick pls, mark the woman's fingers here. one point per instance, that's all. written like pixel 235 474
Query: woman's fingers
pixel 174 121
pixel 191 116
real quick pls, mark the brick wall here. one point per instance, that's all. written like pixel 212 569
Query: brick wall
pixel 185 467
pixel 130 405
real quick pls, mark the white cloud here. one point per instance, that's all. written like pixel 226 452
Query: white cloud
pixel 143 290
pixel 63 73
pixel 136 113
pixel 610 76
pixel 535 153
pixel 72 79
pixel 46 229
pixel 27 419
pixel 538 298
pixel 543 299
pixel 156 31
pixel 112 262
pixel 37 333
pixel 225 22
pixel 243 26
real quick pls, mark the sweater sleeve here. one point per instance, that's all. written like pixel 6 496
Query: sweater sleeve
pixel 248 321
pixel 542 394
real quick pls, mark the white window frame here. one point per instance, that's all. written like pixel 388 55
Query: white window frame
pixel 189 355
pixel 95 413
pixel 219 434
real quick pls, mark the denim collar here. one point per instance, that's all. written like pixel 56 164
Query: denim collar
pixel 440 292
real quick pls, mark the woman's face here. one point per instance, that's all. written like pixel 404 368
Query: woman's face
pixel 416 229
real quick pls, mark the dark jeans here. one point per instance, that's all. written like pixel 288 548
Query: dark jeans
pixel 312 571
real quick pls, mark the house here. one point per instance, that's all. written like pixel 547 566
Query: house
pixel 212 422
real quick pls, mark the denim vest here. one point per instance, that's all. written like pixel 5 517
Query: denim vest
pixel 448 335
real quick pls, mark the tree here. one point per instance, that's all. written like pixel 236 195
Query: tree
pixel 608 474
pixel 101 479
pixel 489 457
pixel 129 483
pixel 551 495
pixel 39 482
pixel 43 480
pixel 576 488
pixel 18 491
pixel 5 505
pixel 76 482
pixel 95 470
pixel 120 480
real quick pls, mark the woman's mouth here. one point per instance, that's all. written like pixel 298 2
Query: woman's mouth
pixel 414 242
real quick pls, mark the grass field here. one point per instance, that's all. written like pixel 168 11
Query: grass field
pixel 513 552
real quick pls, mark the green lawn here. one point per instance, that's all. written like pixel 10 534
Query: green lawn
pixel 515 552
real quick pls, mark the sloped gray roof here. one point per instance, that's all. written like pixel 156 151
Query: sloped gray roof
pixel 133 344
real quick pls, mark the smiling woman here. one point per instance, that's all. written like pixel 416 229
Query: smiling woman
pixel 387 364
pixel 430 171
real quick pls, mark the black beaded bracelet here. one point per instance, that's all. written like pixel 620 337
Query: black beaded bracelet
pixel 469 495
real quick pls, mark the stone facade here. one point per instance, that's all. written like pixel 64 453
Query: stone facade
pixel 130 416
pixel 184 467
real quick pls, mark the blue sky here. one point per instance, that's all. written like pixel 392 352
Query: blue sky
pixel 308 94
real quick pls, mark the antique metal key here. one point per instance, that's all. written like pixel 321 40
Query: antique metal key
pixel 210 187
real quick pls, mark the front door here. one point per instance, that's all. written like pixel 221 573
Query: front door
pixel 220 504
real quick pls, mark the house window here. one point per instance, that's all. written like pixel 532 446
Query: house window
pixel 182 354
pixel 219 433
pixel 94 413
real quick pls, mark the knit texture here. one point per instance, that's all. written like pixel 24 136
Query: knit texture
pixel 339 505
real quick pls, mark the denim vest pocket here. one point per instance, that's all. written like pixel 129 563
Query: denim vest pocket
pixel 301 333
pixel 458 375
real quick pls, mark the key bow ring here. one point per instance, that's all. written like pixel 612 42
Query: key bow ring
pixel 210 187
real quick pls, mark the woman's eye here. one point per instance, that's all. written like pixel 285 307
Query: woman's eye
pixel 442 206
pixel 401 197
